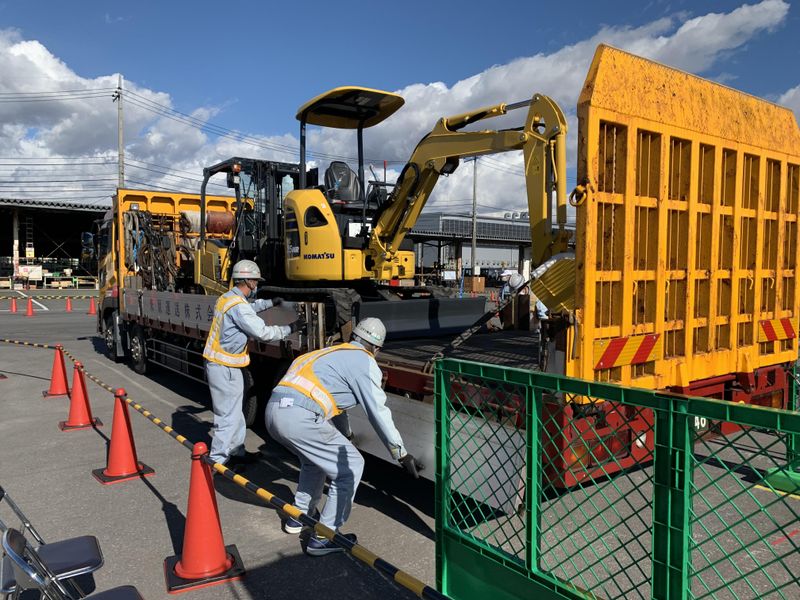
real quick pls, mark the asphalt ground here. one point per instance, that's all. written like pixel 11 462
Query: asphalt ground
pixel 140 523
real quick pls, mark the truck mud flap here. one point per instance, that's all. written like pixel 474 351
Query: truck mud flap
pixel 424 317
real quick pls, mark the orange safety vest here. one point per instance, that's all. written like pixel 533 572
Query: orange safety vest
pixel 301 377
pixel 213 350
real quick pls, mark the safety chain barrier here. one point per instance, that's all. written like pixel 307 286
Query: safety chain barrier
pixel 384 567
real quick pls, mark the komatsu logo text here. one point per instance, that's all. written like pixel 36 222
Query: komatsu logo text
pixel 319 256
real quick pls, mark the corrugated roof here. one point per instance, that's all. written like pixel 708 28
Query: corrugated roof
pixel 99 206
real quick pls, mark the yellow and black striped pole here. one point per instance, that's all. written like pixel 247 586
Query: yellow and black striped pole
pixel 400 577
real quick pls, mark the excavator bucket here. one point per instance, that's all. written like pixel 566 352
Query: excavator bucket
pixel 687 238
pixel 426 318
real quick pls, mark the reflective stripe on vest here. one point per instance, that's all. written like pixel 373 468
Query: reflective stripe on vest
pixel 213 350
pixel 301 377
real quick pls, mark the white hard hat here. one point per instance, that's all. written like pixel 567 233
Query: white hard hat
pixel 371 330
pixel 246 269
pixel 515 281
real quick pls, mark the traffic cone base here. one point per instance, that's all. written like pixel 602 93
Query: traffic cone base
pixel 63 426
pixel 102 477
pixel 177 584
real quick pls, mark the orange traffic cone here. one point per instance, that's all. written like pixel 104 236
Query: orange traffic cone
pixel 13 305
pixel 58 376
pixel 122 463
pixel 29 309
pixel 205 560
pixel 80 413
pixel 69 304
pixel 92 307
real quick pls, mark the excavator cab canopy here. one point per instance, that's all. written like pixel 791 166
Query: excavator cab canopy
pixel 350 107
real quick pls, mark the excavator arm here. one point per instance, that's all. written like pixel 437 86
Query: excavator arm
pixel 543 143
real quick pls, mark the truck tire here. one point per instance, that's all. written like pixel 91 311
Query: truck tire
pixel 138 351
pixel 110 336
pixel 250 404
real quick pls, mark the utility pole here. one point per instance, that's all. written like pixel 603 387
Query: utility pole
pixel 474 214
pixel 117 97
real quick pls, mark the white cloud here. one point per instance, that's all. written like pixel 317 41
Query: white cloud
pixel 694 45
pixel 791 99
pixel 87 126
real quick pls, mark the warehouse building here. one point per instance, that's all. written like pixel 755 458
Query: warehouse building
pixel 40 242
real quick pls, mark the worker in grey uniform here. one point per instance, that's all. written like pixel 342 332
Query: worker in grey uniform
pixel 225 353
pixel 306 414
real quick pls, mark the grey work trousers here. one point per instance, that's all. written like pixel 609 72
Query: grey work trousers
pixel 323 452
pixel 227 391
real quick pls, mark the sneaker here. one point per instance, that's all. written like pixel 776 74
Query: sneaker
pixel 293 526
pixel 320 546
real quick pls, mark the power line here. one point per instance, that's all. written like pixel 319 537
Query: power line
pixel 503 168
pixel 220 131
pixel 158 187
pixel 64 98
pixel 91 156
pixel 38 179
pixel 42 93
pixel 166 173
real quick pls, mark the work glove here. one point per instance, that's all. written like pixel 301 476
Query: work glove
pixel 299 325
pixel 411 465
pixel 278 301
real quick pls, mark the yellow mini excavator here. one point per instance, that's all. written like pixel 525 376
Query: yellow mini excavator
pixel 343 240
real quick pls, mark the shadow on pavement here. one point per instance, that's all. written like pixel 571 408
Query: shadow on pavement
pixel 4 372
pixel 333 577
pixel 388 488
pixel 173 517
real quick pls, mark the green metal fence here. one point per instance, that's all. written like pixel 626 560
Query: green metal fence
pixel 550 487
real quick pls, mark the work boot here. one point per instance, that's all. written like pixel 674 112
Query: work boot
pixel 238 462
pixel 320 546
pixel 246 458
pixel 293 526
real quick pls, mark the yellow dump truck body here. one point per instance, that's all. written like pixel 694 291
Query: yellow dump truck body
pixel 687 246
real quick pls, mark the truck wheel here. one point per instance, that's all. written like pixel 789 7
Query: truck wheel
pixel 110 336
pixel 250 399
pixel 138 351
pixel 250 408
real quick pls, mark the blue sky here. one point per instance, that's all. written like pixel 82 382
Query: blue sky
pixel 248 65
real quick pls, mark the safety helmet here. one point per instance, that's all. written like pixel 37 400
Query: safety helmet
pixel 246 269
pixel 515 281
pixel 371 330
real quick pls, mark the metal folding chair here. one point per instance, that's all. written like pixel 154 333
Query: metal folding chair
pixel 67 559
pixel 32 573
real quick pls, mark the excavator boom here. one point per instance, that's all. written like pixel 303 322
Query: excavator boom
pixel 543 142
